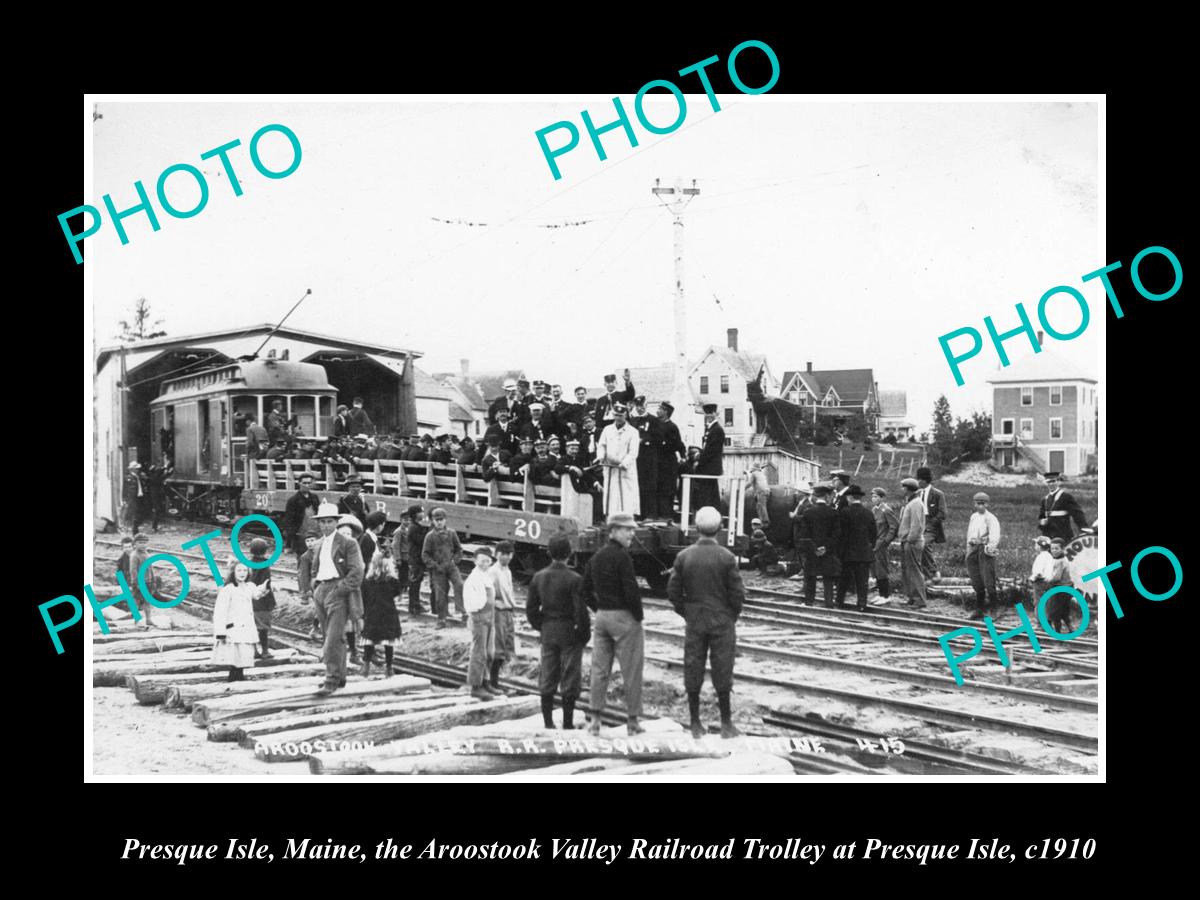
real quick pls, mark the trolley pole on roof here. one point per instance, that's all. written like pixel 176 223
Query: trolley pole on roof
pixel 279 324
pixel 680 198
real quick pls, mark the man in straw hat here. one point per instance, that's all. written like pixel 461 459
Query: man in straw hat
pixel 336 575
pixel 706 589
pixel 610 589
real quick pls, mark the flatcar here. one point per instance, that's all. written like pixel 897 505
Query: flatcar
pixel 199 424
pixel 520 511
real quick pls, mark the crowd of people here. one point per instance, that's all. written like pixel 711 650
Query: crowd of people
pixel 612 447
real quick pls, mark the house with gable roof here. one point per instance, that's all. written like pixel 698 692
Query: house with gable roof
pixel 721 376
pixel 836 394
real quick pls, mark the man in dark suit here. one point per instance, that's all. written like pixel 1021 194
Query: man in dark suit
pixel 706 589
pixel 341 421
pixel 353 503
pixel 887 526
pixel 337 573
pixel 555 608
pixel 537 426
pixel 707 491
pixel 296 511
pixel 1058 509
pixel 669 451
pixel 276 422
pixel 509 401
pixel 820 536
pixel 603 411
pixel 934 502
pixel 650 433
pixel 841 487
pixel 137 496
pixel 858 534
pixel 574 412
pixel 360 422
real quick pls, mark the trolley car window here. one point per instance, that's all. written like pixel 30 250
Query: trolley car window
pixel 326 406
pixel 244 405
pixel 304 411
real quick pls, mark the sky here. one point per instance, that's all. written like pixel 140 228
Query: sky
pixel 846 234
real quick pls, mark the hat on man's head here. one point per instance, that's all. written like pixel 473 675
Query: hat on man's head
pixel 1057 542
pixel 522 382
pixel 980 495
pixel 878 492
pixel 619 407
pixel 526 440
pixel 327 511
pixel 306 476
pixel 639 400
pixel 135 465
pixel 610 379
pixel 1055 475
pixel 141 538
pixel 822 490
pixel 486 551
pixel 622 520
pixel 1042 541
pixel 538 406
pixel 710 409
pixel 925 473
pixel 352 521
pixel 854 491
pixel 573 442
pixel 438 513
pixel 667 406
pixel 910 483
pixel 510 384
pixel 414 437
pixel 541 442
pixel 756 521
pixel 354 479
pixel 427 439
pixel 493 440
pixel 708 520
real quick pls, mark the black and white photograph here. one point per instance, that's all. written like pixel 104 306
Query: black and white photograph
pixel 531 438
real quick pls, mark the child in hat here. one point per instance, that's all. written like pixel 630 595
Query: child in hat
pixel 312 537
pixel 123 559
pixel 762 551
pixel 479 599
pixel 263 602
pixel 1057 573
pixel 381 617
pixel 233 621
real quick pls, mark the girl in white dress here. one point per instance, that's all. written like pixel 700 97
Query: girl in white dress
pixel 233 622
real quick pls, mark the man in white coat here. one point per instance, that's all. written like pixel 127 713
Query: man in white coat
pixel 617 451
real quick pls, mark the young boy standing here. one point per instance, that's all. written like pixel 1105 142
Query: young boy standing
pixel 264 603
pixel 417 530
pixel 441 553
pixel 479 598
pixel 505 628
pixel 123 559
pixel 983 544
pixel 312 537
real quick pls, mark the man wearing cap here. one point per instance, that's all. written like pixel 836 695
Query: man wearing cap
pixel 524 398
pixel 887 525
pixel 276 422
pixel 441 450
pixel 578 466
pixel 341 421
pixel 1058 509
pixel 257 438
pixel 668 455
pixel 617 452
pixel 604 406
pixel 857 526
pixel 611 591
pixel 820 537
pixel 557 410
pixel 536 426
pixel 415 452
pixel 983 544
pixel 707 491
pixel 417 531
pixel 298 511
pixel 650 437
pixel 494 458
pixel 336 576
pixel 555 608
pixel 353 503
pixel 519 463
pixel 509 402
pixel 542 466
pixel 912 543
pixel 934 503
pixel 706 589
pixel 441 553
pixel 841 488
pixel 135 496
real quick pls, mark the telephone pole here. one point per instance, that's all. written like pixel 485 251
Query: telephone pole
pixel 680 197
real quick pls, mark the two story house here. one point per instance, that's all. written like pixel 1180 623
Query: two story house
pixel 1044 416
pixel 836 394
pixel 721 377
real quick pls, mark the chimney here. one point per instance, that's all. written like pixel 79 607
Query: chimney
pixel 465 366
pixel 809 366
pixel 1040 336
pixel 284 354
pixel 732 335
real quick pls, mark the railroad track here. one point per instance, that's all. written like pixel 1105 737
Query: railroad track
pixel 929 713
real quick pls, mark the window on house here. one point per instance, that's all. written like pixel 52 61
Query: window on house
pixel 729 415
pixel 1006 426
pixel 477 427
pixel 1027 428
pixel 704 384
pixel 1056 429
pixel 1056 395
pixel 1027 396
pixel 724 384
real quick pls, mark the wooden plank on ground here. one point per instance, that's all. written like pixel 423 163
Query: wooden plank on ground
pixel 282 697
pixel 106 673
pixel 288 744
pixel 151 687
pixel 141 634
pixel 231 726
pixel 151 645
pixel 262 728
pixel 737 765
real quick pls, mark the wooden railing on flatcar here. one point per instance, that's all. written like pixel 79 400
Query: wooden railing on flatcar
pixel 425 481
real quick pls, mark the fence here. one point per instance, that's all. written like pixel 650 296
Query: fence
pixel 782 467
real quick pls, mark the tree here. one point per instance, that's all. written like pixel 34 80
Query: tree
pixel 857 429
pixel 945 447
pixel 974 436
pixel 140 328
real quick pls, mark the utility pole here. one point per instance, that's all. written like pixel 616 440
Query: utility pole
pixel 680 198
